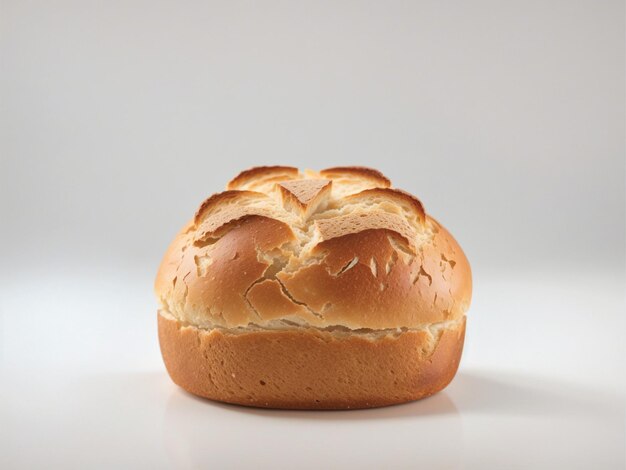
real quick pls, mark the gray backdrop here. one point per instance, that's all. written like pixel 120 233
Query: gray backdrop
pixel 506 118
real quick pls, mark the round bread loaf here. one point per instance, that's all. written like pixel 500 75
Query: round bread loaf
pixel 312 290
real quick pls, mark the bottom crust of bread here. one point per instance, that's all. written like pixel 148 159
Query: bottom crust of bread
pixel 306 368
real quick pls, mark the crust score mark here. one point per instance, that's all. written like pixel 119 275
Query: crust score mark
pixel 312 232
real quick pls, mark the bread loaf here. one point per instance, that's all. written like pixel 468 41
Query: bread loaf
pixel 312 290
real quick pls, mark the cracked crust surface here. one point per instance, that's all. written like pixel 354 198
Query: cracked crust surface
pixel 368 259
pixel 338 249
pixel 309 369
pixel 256 176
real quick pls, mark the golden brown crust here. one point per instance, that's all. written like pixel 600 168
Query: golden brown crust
pixel 383 289
pixel 444 257
pixel 354 223
pixel 262 173
pixel 269 300
pixel 223 208
pixel 309 369
pixel 171 260
pixel 393 195
pixel 359 172
pixel 306 195
pixel 215 200
pixel 301 279
pixel 209 283
pixel 365 263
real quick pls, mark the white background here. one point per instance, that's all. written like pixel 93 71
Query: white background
pixel 118 118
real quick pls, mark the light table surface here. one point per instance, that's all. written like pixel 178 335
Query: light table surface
pixel 541 385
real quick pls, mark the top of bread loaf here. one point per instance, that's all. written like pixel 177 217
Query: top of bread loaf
pixel 339 248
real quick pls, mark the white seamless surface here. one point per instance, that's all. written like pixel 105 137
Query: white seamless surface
pixel 83 386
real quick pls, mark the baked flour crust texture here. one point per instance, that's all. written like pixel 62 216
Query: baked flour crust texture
pixel 312 290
